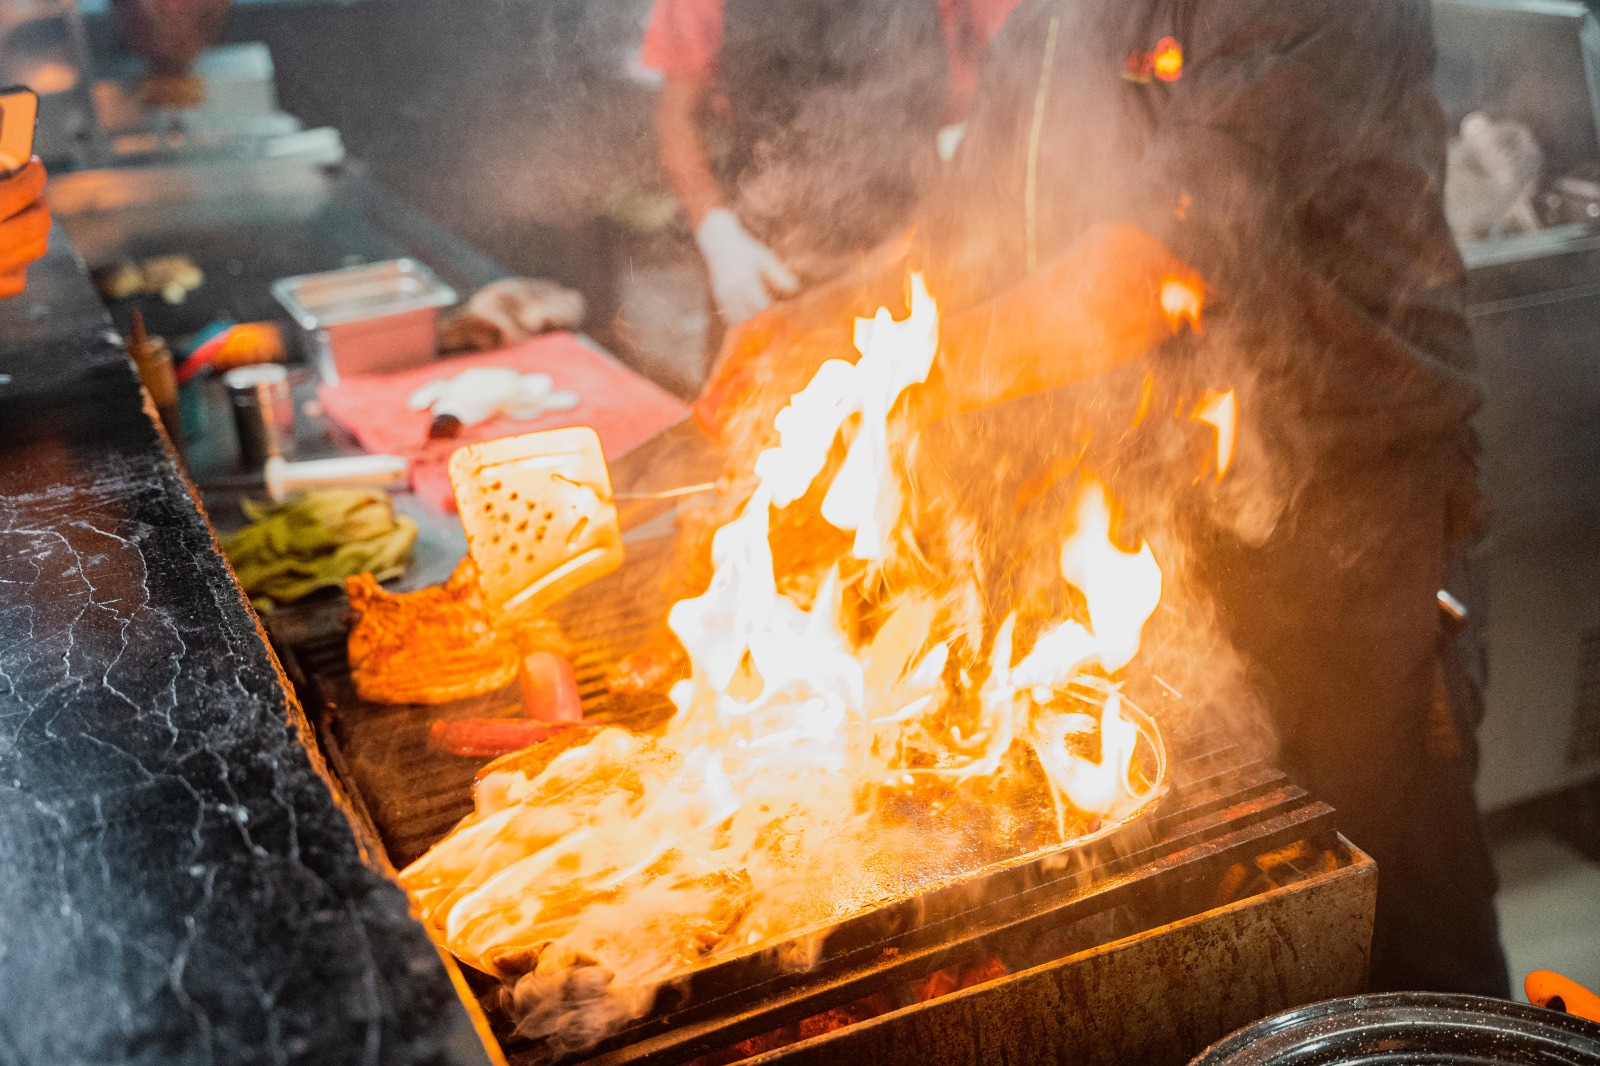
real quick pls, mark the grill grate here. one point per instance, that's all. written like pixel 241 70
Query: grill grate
pixel 1223 805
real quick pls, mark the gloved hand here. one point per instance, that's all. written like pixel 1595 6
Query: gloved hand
pixel 744 272
pixel 772 355
pixel 24 226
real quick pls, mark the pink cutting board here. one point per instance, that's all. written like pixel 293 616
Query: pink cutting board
pixel 623 407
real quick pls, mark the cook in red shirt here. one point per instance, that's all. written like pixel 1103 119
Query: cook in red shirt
pixel 799 133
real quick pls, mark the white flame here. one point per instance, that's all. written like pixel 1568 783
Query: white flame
pixel 895 355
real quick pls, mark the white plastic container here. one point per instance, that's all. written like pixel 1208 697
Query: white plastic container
pixel 370 319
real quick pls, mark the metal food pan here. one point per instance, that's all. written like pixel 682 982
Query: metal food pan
pixel 371 319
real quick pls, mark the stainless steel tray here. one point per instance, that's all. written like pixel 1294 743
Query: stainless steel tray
pixel 370 319
pixel 359 293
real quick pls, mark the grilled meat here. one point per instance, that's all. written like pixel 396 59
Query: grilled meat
pixel 437 644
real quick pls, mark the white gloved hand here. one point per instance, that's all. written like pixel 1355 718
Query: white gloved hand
pixel 744 272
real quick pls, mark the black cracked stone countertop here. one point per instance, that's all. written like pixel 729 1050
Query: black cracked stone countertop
pixel 178 883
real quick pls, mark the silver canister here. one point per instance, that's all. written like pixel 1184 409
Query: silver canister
pixel 263 412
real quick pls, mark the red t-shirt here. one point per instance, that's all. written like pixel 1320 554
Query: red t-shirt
pixel 684 38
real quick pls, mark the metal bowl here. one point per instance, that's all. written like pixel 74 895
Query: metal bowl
pixel 1410 1028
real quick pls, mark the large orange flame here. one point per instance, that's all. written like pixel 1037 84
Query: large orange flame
pixel 758 813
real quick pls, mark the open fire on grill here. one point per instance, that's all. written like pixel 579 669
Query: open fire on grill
pixel 837 745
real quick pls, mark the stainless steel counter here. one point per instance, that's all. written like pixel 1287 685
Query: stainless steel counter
pixel 1535 307
pixel 1536 317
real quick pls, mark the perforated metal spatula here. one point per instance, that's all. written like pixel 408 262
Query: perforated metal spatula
pixel 539 516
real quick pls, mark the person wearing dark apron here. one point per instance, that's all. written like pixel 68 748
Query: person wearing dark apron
pixel 800 133
pixel 1288 157
pixel 1291 154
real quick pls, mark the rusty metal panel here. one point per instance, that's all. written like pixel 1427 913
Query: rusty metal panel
pixel 1155 998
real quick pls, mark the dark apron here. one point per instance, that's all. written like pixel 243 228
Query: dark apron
pixel 834 108
pixel 1332 604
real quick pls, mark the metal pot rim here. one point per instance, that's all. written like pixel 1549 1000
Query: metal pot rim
pixel 1396 1026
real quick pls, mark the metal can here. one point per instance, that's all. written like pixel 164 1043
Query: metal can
pixel 263 412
